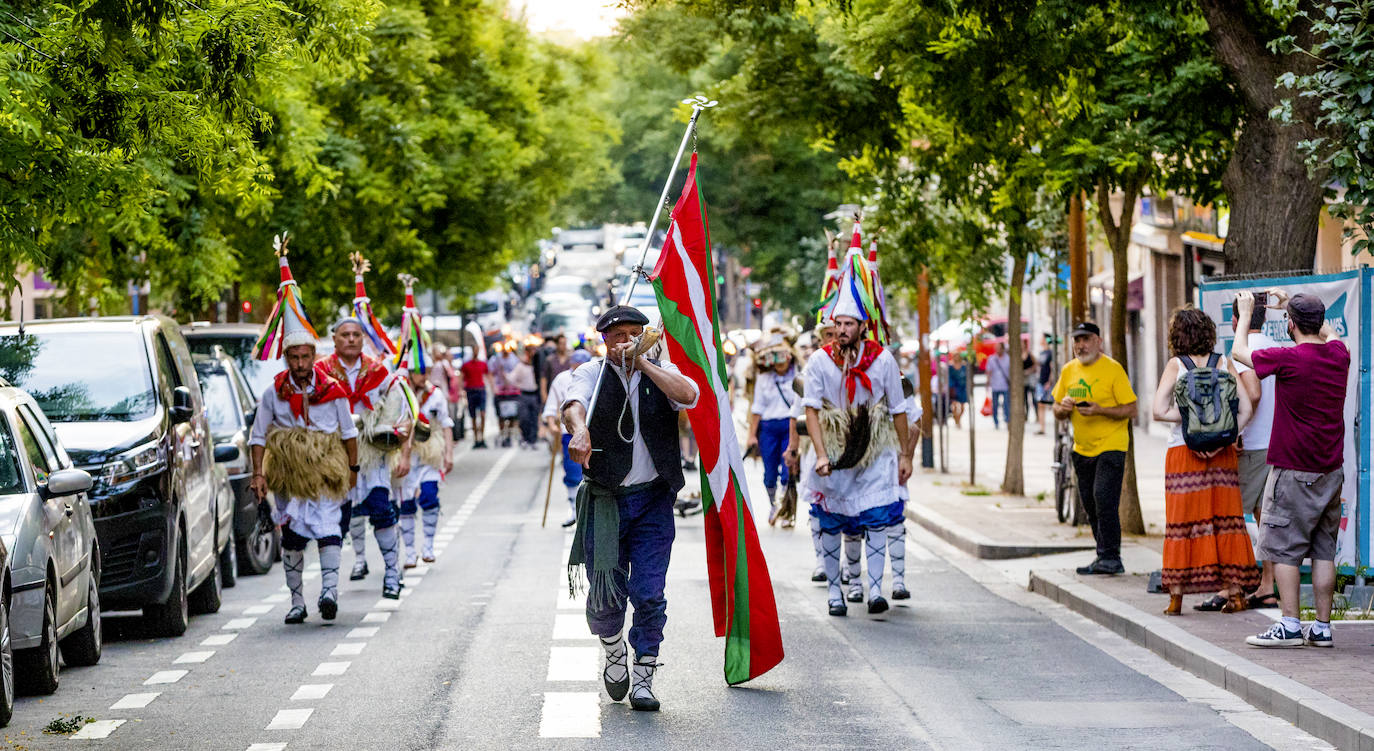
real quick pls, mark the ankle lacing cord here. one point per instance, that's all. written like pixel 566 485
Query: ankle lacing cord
pixel 645 682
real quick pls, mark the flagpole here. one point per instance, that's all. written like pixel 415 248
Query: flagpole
pixel 699 103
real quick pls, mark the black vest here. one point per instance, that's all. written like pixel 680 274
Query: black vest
pixel 657 424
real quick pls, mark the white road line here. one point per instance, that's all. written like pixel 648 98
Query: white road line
pixel 362 632
pixel 165 676
pixel 310 576
pixel 386 604
pixel 218 640
pixel 332 668
pixel 376 617
pixel 574 664
pixel 311 691
pixel 258 610
pixel 570 715
pixel 289 719
pixel 569 626
pixel 267 747
pixel 278 597
pixel 136 701
pixel 406 592
pixel 348 649
pixel 571 603
pixel 238 623
pixel 98 729
pixel 193 658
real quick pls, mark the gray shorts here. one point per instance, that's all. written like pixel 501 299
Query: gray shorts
pixel 1301 516
pixel 1254 475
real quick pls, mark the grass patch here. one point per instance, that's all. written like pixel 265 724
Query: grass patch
pixel 976 490
pixel 66 725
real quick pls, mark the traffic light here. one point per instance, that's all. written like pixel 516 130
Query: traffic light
pixel 758 303
pixel 247 307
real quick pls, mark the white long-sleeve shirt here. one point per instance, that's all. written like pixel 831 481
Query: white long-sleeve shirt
pixel 558 392
pixel 330 417
pixel 773 395
pixel 580 390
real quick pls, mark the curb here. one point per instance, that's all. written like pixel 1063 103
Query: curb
pixel 979 546
pixel 1313 712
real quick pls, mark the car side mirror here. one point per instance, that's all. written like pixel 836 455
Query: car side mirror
pixel 226 452
pixel 67 482
pixel 182 406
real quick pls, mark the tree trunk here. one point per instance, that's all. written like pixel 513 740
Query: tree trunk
pixel 923 369
pixel 1013 479
pixel 971 355
pixel 1078 261
pixel 1275 204
pixel 1119 238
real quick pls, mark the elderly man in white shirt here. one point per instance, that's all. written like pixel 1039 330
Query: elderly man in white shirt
pixel 625 526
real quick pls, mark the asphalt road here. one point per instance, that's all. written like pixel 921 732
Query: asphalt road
pixel 485 651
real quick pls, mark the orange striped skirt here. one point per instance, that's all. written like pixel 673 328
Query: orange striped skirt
pixel 1206 547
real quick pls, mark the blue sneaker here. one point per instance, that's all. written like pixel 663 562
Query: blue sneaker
pixel 1311 638
pixel 1276 636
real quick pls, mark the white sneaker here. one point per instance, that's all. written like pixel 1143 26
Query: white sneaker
pixel 1276 636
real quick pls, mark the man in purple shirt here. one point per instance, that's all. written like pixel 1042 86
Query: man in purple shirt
pixel 1302 499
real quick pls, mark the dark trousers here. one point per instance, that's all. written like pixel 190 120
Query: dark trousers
pixel 529 416
pixel 772 442
pixel 1001 405
pixel 646 540
pixel 1099 484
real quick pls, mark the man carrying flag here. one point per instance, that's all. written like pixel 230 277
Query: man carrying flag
pixel 625 527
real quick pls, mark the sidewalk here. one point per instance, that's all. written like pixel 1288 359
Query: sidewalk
pixel 1323 692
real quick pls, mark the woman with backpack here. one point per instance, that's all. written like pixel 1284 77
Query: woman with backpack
pixel 1206 547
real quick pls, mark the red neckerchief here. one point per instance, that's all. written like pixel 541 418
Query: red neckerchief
pixel 371 374
pixel 324 389
pixel 856 375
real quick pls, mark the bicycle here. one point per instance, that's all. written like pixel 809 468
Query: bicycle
pixel 1067 503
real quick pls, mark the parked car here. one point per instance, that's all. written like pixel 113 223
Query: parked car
pixel 230 407
pixel 123 395
pixel 52 572
pixel 236 340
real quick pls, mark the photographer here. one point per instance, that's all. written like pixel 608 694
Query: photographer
pixel 1302 499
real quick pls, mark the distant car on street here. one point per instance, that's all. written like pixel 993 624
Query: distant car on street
pixel 236 340
pixel 230 407
pixel 123 395
pixel 52 572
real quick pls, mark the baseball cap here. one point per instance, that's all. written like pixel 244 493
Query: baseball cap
pixel 1308 312
pixel 1086 327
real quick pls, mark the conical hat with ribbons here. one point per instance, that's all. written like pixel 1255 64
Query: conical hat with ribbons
pixel 413 345
pixel 288 325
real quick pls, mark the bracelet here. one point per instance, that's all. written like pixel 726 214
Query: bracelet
pixel 354 467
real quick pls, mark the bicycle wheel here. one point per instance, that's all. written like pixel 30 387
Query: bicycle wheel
pixel 1064 495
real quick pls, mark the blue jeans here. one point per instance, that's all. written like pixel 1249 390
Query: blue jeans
pixel 377 507
pixel 646 540
pixel 572 471
pixel 772 442
pixel 1002 398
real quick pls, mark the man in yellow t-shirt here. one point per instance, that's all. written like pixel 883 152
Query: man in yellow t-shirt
pixel 1095 394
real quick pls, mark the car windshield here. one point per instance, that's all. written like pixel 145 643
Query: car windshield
pixel 220 408
pixel 259 373
pixel 81 375
pixel 11 481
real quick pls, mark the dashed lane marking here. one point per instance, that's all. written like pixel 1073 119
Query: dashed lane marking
pixel 570 714
pixel 267 747
pixel 193 658
pixel 97 730
pixel 362 632
pixel 311 691
pixel 570 627
pixel 332 668
pixel 258 610
pixel 136 701
pixel 348 649
pixel 573 663
pixel 278 597
pixel 385 604
pixel 165 676
pixel 290 719
pixel 218 640
pixel 239 623
pixel 376 617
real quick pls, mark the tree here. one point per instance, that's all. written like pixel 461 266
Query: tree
pixel 1342 89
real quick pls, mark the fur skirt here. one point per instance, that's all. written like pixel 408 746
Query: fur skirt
pixel 838 425
pixel 306 464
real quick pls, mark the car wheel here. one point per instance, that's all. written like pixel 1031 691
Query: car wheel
pixel 258 551
pixel 229 561
pixel 171 618
pixel 209 595
pixel 6 668
pixel 84 645
pixel 37 668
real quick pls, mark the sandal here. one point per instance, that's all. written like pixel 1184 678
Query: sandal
pixel 1270 600
pixel 1212 604
pixel 1235 604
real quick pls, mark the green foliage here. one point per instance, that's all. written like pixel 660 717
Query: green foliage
pixel 1343 85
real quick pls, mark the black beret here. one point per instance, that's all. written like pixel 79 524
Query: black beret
pixel 621 314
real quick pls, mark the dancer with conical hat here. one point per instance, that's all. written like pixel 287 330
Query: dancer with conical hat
pixel 384 407
pixel 304 447
pixel 431 455
pixel 853 393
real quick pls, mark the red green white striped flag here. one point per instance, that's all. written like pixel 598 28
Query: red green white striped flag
pixel 742 602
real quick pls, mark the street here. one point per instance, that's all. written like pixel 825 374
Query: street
pixel 485 651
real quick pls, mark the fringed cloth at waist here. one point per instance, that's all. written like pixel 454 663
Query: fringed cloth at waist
pixel 306 464
pixel 857 436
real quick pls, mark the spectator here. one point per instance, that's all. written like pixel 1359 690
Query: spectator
pixel 521 380
pixel 1302 498
pixel 555 362
pixel 1043 383
pixel 475 390
pixel 504 393
pixel 999 384
pixel 1094 393
pixel 1027 381
pixel 1254 445
pixel 1205 545
pixel 956 373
